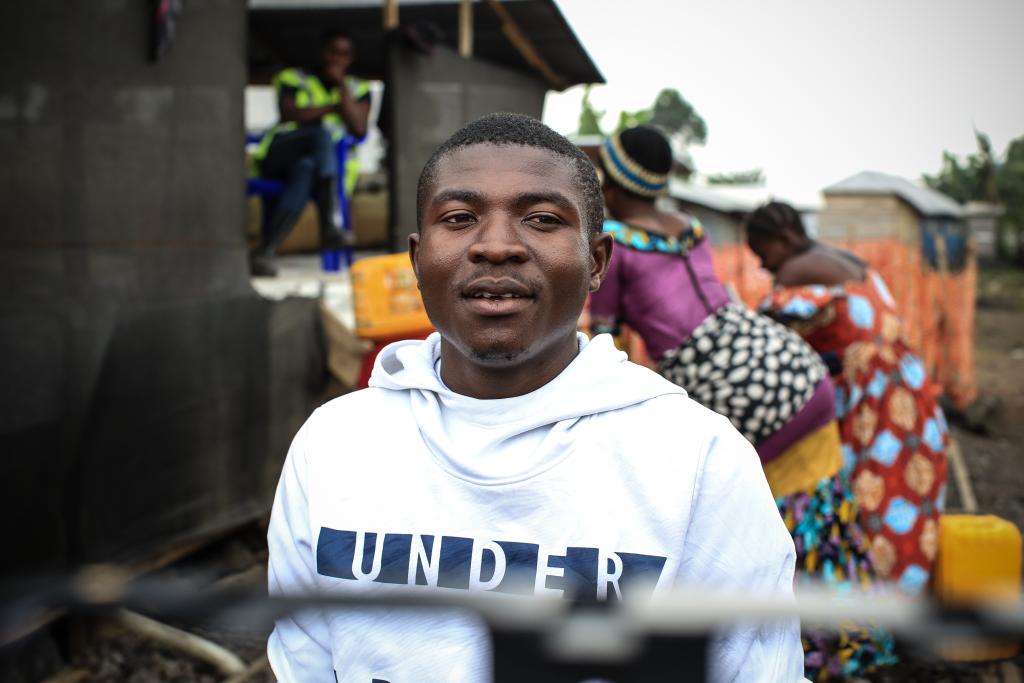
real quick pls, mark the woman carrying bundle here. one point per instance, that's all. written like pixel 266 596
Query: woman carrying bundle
pixel 893 432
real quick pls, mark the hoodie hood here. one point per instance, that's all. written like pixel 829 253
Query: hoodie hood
pixel 501 441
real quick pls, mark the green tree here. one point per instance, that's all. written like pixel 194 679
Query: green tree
pixel 670 112
pixel 972 179
pixel 590 118
pixel 752 177
pixel 981 177
pixel 674 115
pixel 1010 186
pixel 628 119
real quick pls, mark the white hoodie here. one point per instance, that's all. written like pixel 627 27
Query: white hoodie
pixel 604 482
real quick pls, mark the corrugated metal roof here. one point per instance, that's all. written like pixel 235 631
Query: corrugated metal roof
pixel 723 200
pixel 288 31
pixel 926 201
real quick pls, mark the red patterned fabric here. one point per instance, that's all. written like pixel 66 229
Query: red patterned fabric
pixel 893 432
pixel 936 308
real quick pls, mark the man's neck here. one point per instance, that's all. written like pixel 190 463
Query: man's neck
pixel 324 78
pixel 473 378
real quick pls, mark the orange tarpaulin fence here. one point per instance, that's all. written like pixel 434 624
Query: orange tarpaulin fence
pixel 937 309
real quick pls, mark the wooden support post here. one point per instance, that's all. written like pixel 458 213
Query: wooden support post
pixel 466 29
pixel 510 27
pixel 961 477
pixel 390 14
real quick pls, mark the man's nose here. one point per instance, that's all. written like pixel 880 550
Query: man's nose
pixel 499 240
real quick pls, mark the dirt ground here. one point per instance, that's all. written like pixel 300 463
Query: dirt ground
pixel 994 459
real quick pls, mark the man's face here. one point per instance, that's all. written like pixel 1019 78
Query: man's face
pixel 338 54
pixel 503 260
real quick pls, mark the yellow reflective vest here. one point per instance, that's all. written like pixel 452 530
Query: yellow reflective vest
pixel 310 91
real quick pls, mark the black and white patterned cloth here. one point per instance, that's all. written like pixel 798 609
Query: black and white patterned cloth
pixel 751 369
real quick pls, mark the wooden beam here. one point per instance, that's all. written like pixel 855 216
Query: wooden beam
pixel 390 14
pixel 466 29
pixel 223 660
pixel 510 27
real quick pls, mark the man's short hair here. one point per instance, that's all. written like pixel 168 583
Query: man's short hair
pixel 524 131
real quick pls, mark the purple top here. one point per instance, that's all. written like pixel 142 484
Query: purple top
pixel 657 288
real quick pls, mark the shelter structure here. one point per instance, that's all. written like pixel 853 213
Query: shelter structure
pixel 443 63
pixel 982 222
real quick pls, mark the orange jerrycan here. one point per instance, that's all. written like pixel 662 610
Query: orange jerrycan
pixel 387 301
pixel 979 562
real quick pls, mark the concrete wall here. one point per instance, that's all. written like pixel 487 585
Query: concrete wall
pixel 850 218
pixel 145 392
pixel 430 98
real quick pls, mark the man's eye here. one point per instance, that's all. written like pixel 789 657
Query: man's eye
pixel 545 219
pixel 458 218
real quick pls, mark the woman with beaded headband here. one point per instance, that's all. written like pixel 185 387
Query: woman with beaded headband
pixel 770 384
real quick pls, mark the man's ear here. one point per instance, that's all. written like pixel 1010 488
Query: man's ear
pixel 600 257
pixel 414 243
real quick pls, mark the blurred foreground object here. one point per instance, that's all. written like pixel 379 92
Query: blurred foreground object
pixel 535 640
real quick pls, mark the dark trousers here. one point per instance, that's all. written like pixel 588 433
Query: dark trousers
pixel 300 158
pixel 305 160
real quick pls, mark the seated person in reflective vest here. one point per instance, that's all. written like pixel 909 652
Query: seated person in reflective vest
pixel 509 454
pixel 316 108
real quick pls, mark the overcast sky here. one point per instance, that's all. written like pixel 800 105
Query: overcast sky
pixel 811 91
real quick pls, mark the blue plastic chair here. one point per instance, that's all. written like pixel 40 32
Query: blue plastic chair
pixel 268 191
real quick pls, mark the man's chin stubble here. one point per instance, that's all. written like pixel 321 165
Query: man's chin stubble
pixel 496 357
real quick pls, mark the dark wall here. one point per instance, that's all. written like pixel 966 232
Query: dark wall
pixel 432 96
pixel 146 393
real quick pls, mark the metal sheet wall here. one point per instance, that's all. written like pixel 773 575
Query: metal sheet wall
pixel 147 394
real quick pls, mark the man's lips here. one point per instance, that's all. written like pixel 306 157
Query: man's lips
pixel 497 296
pixel 497 288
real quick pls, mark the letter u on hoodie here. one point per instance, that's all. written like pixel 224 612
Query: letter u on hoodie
pixel 606 483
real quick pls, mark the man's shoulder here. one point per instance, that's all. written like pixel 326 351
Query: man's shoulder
pixel 351 421
pixel 352 410
pixel 674 413
pixel 290 77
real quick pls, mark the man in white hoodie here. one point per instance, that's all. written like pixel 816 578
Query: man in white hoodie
pixel 508 447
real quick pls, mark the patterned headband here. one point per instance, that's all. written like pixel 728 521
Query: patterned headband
pixel 628 173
